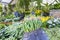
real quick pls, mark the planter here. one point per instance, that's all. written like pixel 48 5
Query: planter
pixel 38 34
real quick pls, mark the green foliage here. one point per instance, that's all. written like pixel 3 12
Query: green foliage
pixel 56 6
pixel 23 4
pixel 0 7
pixel 2 26
pixel 27 12
pixel 39 3
pixel 9 16
pixel 2 19
pixel 12 32
pixel 46 8
pixel 31 25
pixel 53 33
pixel 17 30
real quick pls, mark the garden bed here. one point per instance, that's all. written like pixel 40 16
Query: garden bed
pixel 16 30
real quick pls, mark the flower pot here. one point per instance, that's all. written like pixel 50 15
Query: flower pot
pixel 38 34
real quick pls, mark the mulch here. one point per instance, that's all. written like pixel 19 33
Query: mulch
pixel 7 23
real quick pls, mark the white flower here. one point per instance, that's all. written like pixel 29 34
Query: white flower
pixel 50 22
pixel 50 25
pixel 54 24
pixel 55 20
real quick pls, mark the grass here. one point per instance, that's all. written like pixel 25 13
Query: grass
pixel 53 33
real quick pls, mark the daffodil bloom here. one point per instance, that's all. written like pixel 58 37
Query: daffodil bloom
pixel 38 11
pixel 44 19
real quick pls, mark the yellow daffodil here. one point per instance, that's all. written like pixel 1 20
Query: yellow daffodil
pixel 38 11
pixel 44 19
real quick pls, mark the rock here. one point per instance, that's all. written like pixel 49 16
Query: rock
pixel 55 13
pixel 38 34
